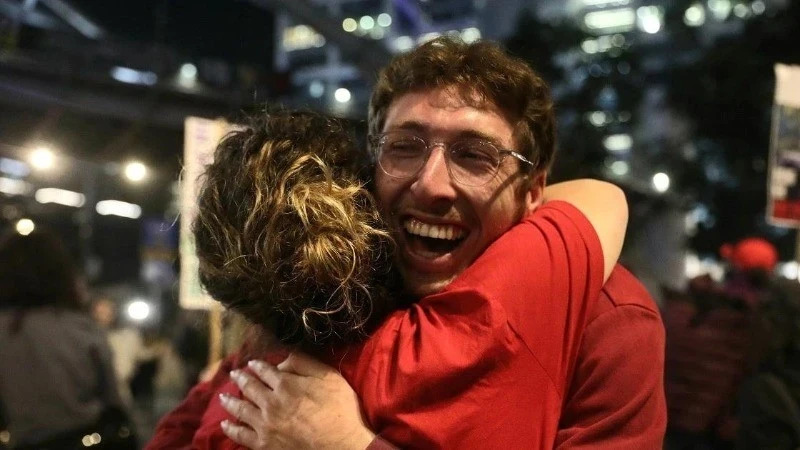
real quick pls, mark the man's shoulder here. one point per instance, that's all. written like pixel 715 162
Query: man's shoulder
pixel 623 290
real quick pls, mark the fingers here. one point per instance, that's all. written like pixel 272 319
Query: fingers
pixel 268 373
pixel 301 364
pixel 252 388
pixel 240 434
pixel 242 410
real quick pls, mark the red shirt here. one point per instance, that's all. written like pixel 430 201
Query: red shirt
pixel 485 363
pixel 616 395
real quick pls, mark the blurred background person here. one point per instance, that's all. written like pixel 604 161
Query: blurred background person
pixel 150 373
pixel 126 344
pixel 768 403
pixel 57 383
pixel 716 336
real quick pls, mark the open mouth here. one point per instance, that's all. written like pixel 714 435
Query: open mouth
pixel 432 240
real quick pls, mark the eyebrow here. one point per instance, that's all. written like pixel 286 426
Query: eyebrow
pixel 422 128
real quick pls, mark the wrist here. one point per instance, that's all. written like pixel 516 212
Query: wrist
pixel 363 438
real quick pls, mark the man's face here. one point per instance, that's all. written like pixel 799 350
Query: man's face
pixel 442 226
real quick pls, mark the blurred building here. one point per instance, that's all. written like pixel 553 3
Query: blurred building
pixel 330 51
pixel 104 85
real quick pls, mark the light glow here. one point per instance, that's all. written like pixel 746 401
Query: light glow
pixel 366 23
pixel 118 208
pixel 606 2
pixel 301 37
pixel 316 89
pixel 649 19
pixel 661 182
pixel 618 142
pixel 720 9
pixel 470 35
pixel 25 226
pixel 187 76
pixel 188 71
pixel 138 310
pixel 617 19
pixel 42 158
pixel 403 43
pixel 60 197
pixel 14 167
pixel 133 76
pixel 790 270
pixel 11 186
pixel 589 46
pixel 620 168
pixel 135 171
pixel 741 10
pixel 342 95
pixel 384 20
pixel 597 118
pixel 695 15
pixel 349 24
pixel 428 37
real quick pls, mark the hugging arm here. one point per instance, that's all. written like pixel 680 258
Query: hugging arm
pixel 605 208
pixel 300 403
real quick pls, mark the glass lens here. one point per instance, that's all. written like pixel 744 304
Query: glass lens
pixel 402 154
pixel 473 161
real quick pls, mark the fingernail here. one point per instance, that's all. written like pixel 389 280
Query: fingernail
pixel 236 375
pixel 225 423
pixel 256 365
pixel 224 398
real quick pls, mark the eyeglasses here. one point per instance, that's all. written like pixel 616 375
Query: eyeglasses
pixel 470 161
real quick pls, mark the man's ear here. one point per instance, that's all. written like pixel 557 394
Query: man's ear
pixel 534 190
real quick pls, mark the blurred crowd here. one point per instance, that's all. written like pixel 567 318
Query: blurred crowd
pixel 75 373
pixel 732 370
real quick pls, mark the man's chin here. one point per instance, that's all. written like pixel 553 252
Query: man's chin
pixel 420 285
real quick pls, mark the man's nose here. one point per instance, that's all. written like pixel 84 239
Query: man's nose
pixel 433 182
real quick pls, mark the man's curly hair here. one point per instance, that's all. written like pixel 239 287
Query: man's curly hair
pixel 286 233
pixel 480 72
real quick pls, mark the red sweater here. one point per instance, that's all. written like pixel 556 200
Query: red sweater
pixel 486 363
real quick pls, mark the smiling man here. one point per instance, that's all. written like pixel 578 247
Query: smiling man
pixel 445 207
pixel 510 341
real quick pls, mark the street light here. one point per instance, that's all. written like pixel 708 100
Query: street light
pixel 25 226
pixel 138 310
pixel 342 95
pixel 661 182
pixel 42 158
pixel 135 171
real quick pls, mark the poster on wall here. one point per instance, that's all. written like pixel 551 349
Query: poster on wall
pixel 783 188
pixel 201 137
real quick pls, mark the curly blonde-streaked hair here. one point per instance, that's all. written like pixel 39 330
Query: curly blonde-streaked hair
pixel 286 233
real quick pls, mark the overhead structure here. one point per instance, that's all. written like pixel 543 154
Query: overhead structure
pixel 368 56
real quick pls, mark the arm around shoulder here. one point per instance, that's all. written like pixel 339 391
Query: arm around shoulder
pixel 606 208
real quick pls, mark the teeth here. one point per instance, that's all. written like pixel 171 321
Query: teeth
pixel 449 232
